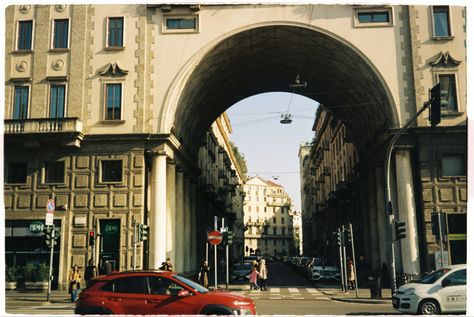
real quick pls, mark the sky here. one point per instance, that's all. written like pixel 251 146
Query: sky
pixel 269 147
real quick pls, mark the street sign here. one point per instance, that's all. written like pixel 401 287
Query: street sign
pixel 36 227
pixel 50 206
pixel 214 237
pixel 49 219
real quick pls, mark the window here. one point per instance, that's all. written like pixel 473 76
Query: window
pixel 113 101
pixel 57 101
pixel 456 278
pixel 61 33
pixel 283 231
pixel 16 173
pixel 133 285
pixel 282 220
pixel 448 86
pixel 374 17
pixel 115 38
pixel 256 209
pixel 111 171
pixel 54 172
pixel 163 286
pixel 274 220
pixel 181 23
pixel 25 30
pixel 441 23
pixel 20 103
pixel 453 165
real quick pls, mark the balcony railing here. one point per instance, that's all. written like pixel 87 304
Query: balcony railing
pixel 42 125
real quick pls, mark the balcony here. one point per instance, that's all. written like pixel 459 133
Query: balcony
pixel 66 130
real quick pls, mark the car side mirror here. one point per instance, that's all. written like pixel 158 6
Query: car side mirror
pixel 184 293
pixel 445 282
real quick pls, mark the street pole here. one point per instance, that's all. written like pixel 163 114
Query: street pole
pixel 340 260
pixel 227 267
pixel 344 258
pixel 134 242
pixel 388 194
pixel 354 259
pixel 50 275
pixel 215 256
pixel 441 239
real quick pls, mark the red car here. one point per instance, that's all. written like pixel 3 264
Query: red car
pixel 157 293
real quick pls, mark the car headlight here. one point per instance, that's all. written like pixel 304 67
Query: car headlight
pixel 409 291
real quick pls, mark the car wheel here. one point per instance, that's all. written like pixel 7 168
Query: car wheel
pixel 429 307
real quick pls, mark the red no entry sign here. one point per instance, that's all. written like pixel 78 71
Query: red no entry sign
pixel 214 237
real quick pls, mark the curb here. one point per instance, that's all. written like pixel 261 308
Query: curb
pixel 362 300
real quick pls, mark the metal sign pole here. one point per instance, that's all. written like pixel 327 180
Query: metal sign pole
pixel 344 258
pixel 215 256
pixel 227 267
pixel 340 260
pixel 134 243
pixel 354 259
pixel 441 240
pixel 50 275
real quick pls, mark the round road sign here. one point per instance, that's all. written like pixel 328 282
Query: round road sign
pixel 50 206
pixel 214 237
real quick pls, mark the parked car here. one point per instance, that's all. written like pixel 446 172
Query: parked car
pixel 302 264
pixel 443 291
pixel 240 271
pixel 287 260
pixel 320 271
pixel 157 293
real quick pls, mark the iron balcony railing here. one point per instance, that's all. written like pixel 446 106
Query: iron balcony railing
pixel 42 125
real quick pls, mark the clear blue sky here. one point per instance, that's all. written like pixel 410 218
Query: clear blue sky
pixel 269 147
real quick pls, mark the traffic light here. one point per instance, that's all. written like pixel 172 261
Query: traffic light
pixel 48 236
pixel 347 237
pixel 338 237
pixel 400 230
pixel 91 238
pixel 438 100
pixel 230 237
pixel 143 232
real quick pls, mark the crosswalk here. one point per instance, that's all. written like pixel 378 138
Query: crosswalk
pixel 293 293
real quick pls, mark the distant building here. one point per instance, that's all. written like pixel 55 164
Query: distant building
pixel 268 218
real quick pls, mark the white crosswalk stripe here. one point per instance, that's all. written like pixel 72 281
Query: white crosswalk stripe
pixel 292 293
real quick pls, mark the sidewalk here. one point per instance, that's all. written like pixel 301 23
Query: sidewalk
pixel 363 296
pixel 38 298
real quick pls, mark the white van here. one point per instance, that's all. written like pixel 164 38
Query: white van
pixel 443 291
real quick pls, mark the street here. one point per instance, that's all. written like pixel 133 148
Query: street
pixel 289 294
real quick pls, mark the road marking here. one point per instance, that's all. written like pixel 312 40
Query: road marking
pixel 293 290
pixel 312 290
pixel 274 290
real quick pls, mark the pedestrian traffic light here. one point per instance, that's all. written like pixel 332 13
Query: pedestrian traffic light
pixel 230 237
pixel 400 230
pixel 91 238
pixel 438 100
pixel 143 232
pixel 48 236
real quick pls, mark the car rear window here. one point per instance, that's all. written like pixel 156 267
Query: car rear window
pixel 131 284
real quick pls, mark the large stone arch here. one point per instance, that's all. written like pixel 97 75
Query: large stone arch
pixel 266 57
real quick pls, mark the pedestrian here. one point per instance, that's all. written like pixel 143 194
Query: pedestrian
pixel 203 274
pixel 253 279
pixel 90 272
pixel 350 274
pixel 74 283
pixel 166 266
pixel 106 268
pixel 263 275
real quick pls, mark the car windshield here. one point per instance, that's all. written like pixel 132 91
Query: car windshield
pixel 434 276
pixel 197 287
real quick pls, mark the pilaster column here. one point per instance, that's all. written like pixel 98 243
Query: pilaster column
pixel 381 215
pixel 187 225
pixel 407 212
pixel 179 226
pixel 374 256
pixel 365 222
pixel 194 236
pixel 158 212
pixel 171 212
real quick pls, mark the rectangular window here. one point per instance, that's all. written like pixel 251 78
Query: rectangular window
pixel 181 23
pixel 16 173
pixel 61 33
pixel 448 89
pixel 441 21
pixel 373 17
pixel 20 102
pixel 274 220
pixel 111 171
pixel 54 172
pixel 113 101
pixel 115 32
pixel 25 30
pixel 57 101
pixel 282 220
pixel 453 165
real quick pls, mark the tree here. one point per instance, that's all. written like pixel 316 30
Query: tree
pixel 241 162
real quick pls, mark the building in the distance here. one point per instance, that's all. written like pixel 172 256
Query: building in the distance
pixel 269 219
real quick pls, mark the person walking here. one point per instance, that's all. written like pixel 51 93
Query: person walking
pixel 203 272
pixel 253 279
pixel 90 272
pixel 263 275
pixel 74 283
pixel 350 274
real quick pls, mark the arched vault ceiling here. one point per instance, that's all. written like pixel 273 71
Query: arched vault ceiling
pixel 268 59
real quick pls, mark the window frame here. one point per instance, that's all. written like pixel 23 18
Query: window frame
pixel 464 162
pixel 53 35
pixel 372 10
pixel 18 36
pixel 101 171
pixel 107 40
pixel 105 103
pixel 450 36
pixel 56 84
pixel 44 178
pixel 9 168
pixel 28 101
pixel 165 28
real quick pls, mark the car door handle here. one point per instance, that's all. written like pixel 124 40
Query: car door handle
pixel 114 299
pixel 151 301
